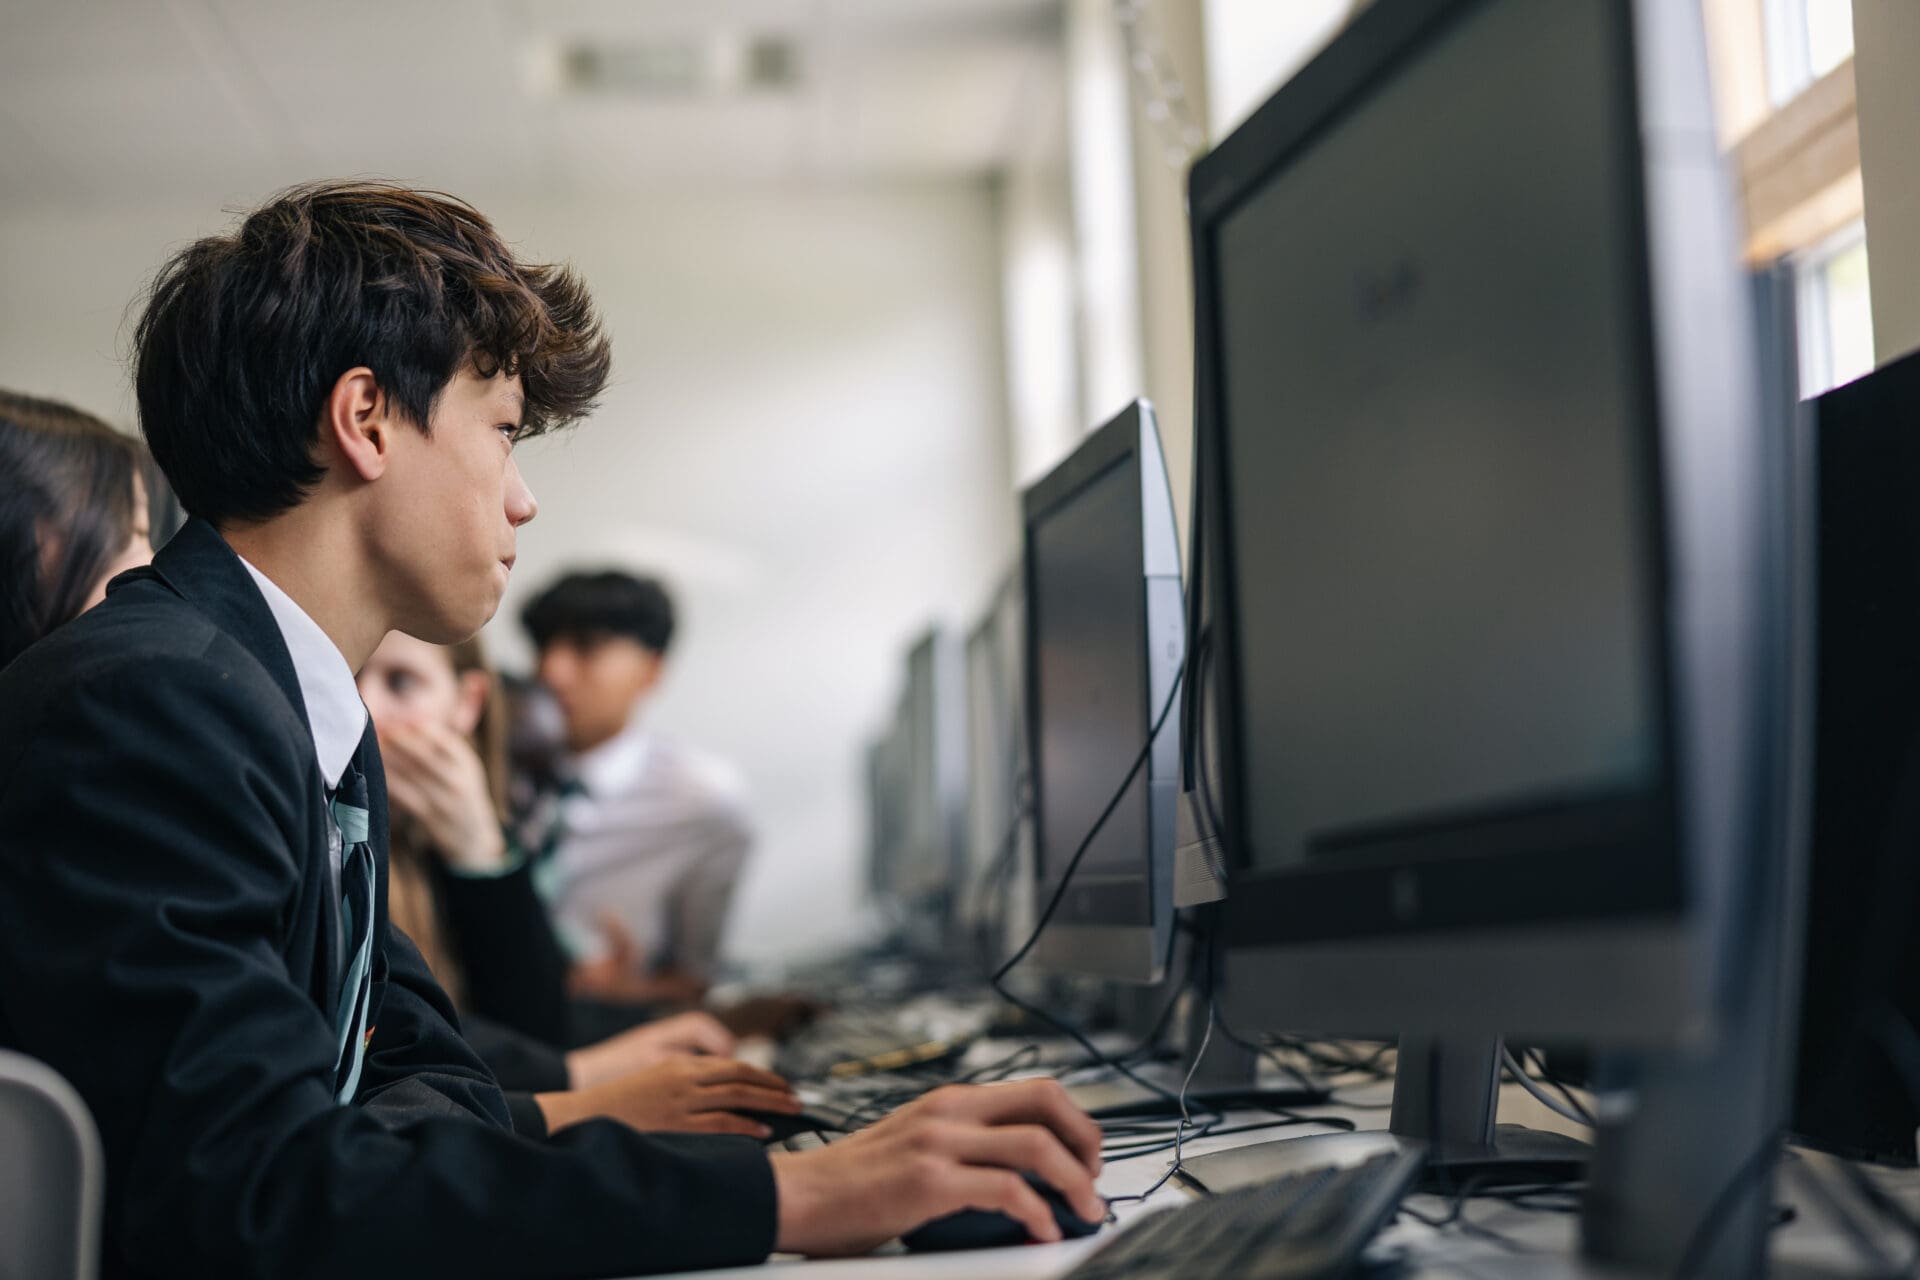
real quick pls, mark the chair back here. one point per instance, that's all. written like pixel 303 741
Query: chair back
pixel 52 1176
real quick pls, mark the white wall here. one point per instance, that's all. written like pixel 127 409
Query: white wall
pixel 1069 247
pixel 1101 162
pixel 804 432
pixel 1038 259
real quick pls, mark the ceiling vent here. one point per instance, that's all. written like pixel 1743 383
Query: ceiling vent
pixel 695 66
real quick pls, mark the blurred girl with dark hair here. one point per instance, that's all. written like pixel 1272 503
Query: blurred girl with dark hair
pixel 73 514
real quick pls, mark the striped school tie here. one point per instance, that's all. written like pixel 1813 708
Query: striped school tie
pixel 350 814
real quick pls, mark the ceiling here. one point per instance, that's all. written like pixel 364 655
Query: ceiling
pixel 104 102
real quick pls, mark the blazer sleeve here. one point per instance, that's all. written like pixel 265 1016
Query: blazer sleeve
pixel 516 973
pixel 151 819
pixel 518 1062
pixel 418 1061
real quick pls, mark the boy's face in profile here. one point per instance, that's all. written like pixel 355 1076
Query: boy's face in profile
pixel 449 506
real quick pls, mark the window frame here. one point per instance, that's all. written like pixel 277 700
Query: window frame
pixel 1813 305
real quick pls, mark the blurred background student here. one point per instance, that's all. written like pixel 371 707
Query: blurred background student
pixel 648 836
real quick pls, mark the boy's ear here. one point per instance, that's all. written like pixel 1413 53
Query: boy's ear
pixel 357 423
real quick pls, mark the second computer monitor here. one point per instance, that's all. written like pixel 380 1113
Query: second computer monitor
pixel 997 770
pixel 1105 640
pixel 933 722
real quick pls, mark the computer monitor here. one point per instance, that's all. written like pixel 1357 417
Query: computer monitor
pixel 1493 599
pixel 933 721
pixel 1105 644
pixel 1853 1093
pixel 998 775
pixel 886 807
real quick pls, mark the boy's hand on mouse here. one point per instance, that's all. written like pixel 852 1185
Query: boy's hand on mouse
pixel 685 1094
pixel 961 1147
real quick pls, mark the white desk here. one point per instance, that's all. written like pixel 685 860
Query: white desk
pixel 1538 1245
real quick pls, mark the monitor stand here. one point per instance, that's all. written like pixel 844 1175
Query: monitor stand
pixel 1445 1098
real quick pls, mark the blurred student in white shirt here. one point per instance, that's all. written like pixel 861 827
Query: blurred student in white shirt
pixel 651 835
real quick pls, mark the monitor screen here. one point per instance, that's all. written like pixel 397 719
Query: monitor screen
pixel 997 769
pixel 934 763
pixel 1090 649
pixel 1433 457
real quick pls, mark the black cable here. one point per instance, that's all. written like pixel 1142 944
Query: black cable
pixel 1285 1068
pixel 985 889
pixel 998 980
pixel 1842 1216
pixel 1456 1218
pixel 1538 1060
pixel 1326 1059
pixel 1099 823
pixel 1870 1191
pixel 1758 1163
pixel 1180 1133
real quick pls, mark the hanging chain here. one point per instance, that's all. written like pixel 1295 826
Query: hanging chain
pixel 1169 108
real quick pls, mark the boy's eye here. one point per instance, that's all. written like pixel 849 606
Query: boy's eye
pixel 510 430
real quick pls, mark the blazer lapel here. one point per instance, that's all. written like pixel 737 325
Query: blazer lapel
pixel 199 566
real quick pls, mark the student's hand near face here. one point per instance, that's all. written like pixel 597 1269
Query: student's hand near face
pixel 682 1035
pixel 435 777
pixel 961 1147
pixel 680 1095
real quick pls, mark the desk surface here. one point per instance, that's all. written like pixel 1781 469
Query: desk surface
pixel 1531 1243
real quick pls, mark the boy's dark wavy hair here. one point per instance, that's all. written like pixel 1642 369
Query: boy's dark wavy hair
pixel 243 335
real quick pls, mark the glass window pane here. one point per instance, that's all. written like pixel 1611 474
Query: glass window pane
pixel 1829 34
pixel 1805 39
pixel 1849 314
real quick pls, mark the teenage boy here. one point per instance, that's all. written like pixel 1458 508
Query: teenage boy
pixel 193 821
pixel 653 834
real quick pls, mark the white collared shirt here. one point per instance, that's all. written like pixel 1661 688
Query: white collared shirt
pixel 334 711
pixel 658 839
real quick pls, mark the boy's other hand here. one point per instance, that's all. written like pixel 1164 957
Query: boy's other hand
pixel 961 1147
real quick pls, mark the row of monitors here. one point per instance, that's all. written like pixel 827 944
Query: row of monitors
pixel 1005 751
pixel 1491 597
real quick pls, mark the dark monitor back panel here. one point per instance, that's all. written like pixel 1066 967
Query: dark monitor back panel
pixel 1863 901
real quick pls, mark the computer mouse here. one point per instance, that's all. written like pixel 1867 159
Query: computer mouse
pixel 785 1126
pixel 983 1229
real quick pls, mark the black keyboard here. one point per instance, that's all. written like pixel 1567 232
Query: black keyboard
pixel 1306 1226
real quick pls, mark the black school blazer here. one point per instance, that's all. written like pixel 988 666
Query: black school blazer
pixel 167 943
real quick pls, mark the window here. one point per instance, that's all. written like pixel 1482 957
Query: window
pixel 1805 39
pixel 1836 318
